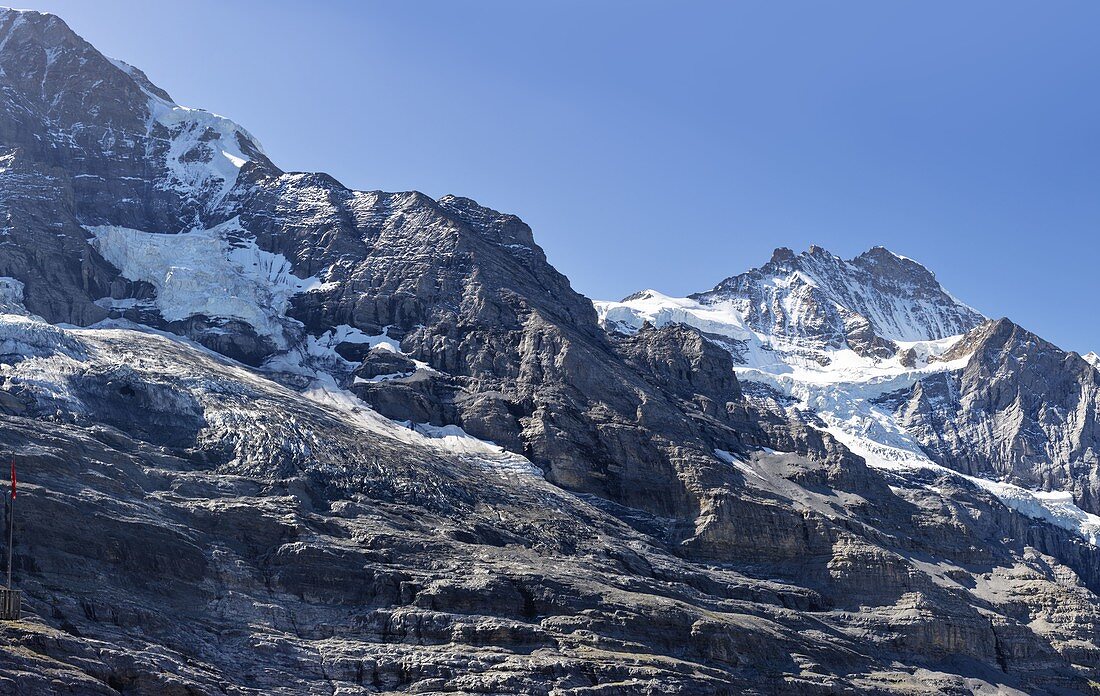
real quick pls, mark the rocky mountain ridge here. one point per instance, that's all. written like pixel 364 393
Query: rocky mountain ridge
pixel 992 400
pixel 278 436
pixel 865 303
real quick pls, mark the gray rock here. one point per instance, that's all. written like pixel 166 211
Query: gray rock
pixel 1021 409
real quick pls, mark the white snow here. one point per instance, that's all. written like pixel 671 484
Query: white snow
pixel 11 296
pixel 659 309
pixel 315 355
pixel 840 387
pixel 31 336
pixel 316 358
pixel 219 273
pixel 204 150
pixel 213 170
pixel 382 378
pixel 123 303
pixel 733 460
pixel 347 334
pixel 48 354
pixel 449 440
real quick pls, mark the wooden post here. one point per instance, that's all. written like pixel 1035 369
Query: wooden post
pixel 10 604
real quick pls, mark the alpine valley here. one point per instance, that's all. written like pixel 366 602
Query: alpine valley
pixel 276 436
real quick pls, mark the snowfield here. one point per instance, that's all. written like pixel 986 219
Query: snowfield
pixel 204 151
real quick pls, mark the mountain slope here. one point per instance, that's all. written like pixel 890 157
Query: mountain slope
pixel 279 436
pixel 993 402
pixel 366 555
pixel 1021 409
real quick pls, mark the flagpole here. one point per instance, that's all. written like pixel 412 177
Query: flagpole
pixel 11 529
pixel 11 517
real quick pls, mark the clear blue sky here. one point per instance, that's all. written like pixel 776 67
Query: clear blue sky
pixel 670 145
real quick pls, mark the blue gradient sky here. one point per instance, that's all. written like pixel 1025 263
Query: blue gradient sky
pixel 671 145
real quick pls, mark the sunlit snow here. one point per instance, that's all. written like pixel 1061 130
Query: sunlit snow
pixel 840 387
pixel 218 273
pixel 205 151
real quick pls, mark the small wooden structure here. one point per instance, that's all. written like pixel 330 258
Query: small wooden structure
pixel 10 604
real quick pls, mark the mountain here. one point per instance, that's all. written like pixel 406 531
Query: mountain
pixel 943 385
pixel 813 303
pixel 865 303
pixel 1021 409
pixel 279 436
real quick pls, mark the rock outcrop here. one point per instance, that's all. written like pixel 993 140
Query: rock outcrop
pixel 1021 409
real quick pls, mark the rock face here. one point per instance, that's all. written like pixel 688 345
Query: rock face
pixel 316 440
pixel 1021 409
pixel 88 141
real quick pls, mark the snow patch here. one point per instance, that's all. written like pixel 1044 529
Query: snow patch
pixel 204 152
pixel 1055 507
pixel 11 296
pixel 25 336
pixel 41 357
pixel 317 354
pixel 743 467
pixel 657 309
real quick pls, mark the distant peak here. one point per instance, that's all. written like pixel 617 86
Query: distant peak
pixel 646 294
pixel 36 20
pixel 881 254
pixel 782 254
pixel 897 297
pixel 878 250
pixel 26 13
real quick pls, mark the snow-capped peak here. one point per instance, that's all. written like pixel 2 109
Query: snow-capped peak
pixel 817 295
pixel 204 151
pixel 812 305
pixel 837 338
pixel 86 99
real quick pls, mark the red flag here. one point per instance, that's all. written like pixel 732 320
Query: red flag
pixel 13 476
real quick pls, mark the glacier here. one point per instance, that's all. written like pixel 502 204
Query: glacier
pixel 217 272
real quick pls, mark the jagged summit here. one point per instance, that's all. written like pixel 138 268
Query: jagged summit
pixel 814 302
pixel 64 103
pixel 817 295
pixel 27 29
